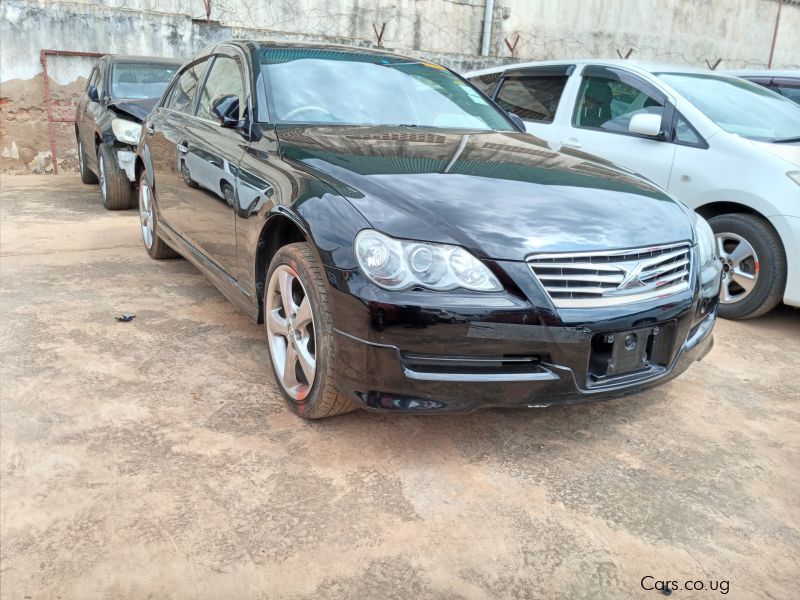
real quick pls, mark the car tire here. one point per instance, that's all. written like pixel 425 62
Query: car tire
pixel 304 369
pixel 753 265
pixel 115 187
pixel 86 175
pixel 156 247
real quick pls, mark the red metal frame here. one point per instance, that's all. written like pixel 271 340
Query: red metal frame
pixel 48 99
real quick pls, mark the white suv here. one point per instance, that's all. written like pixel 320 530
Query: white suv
pixel 728 148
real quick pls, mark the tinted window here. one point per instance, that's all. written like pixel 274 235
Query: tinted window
pixel 485 83
pixel 341 87
pixel 140 80
pixel 182 95
pixel 92 78
pixel 608 104
pixel 532 98
pixel 225 78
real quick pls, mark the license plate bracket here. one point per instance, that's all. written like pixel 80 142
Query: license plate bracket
pixel 622 352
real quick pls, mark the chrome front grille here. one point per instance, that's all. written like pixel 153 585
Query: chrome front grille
pixel 611 278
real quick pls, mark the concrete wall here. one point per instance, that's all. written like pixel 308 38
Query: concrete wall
pixel 446 31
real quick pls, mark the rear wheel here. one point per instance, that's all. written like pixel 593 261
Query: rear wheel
pixel 753 265
pixel 115 186
pixel 148 219
pixel 300 334
pixel 86 175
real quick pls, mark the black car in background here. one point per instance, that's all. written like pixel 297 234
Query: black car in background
pixel 121 91
pixel 785 83
pixel 407 247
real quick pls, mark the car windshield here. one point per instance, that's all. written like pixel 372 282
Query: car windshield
pixel 323 86
pixel 138 81
pixel 739 106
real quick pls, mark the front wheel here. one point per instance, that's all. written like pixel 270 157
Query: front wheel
pixel 753 265
pixel 114 184
pixel 300 334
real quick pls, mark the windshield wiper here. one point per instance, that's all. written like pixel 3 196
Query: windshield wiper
pixel 398 125
pixel 788 140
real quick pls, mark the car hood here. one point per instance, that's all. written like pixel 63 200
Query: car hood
pixel 788 152
pixel 136 110
pixel 502 195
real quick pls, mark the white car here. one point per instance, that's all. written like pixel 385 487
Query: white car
pixel 728 148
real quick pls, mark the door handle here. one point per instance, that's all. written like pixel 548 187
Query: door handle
pixel 182 148
pixel 572 143
pixel 151 129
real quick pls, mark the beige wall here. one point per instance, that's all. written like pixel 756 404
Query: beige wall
pixel 446 31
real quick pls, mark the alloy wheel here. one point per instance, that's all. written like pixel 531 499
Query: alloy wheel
pixel 80 156
pixel 740 267
pixel 290 332
pixel 146 213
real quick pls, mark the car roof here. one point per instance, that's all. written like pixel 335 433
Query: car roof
pixel 255 44
pixel 130 58
pixel 763 73
pixel 651 67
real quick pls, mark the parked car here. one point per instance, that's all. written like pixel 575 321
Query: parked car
pixel 121 91
pixel 407 247
pixel 785 83
pixel 726 147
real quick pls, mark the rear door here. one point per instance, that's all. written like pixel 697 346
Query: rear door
pixel 535 95
pixel 606 100
pixel 163 134
pixel 211 154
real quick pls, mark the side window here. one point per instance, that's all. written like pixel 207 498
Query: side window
pixel 532 98
pixel 684 133
pixel 485 83
pixel 93 76
pixel 181 97
pixel 225 78
pixel 790 92
pixel 609 104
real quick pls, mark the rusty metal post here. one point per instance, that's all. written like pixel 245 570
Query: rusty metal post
pixel 775 33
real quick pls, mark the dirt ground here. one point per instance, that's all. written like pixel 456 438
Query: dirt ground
pixel 155 459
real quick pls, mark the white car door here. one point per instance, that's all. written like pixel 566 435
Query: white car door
pixel 605 101
pixel 537 96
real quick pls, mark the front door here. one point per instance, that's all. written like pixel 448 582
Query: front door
pixel 606 101
pixel 211 155
pixel 164 132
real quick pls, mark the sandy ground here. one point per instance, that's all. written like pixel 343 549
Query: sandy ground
pixel 155 459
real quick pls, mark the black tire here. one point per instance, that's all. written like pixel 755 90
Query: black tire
pixel 115 187
pixel 158 249
pixel 323 399
pixel 770 284
pixel 86 175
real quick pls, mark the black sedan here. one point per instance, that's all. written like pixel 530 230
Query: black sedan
pixel 120 93
pixel 407 247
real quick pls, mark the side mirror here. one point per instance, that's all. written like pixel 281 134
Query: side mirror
pixel 517 121
pixel 645 124
pixel 225 109
pixel 94 95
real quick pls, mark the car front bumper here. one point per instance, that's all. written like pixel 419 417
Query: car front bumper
pixel 463 355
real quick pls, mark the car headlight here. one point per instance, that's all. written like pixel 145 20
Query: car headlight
pixel 794 176
pixel 126 131
pixel 402 264
pixel 706 242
